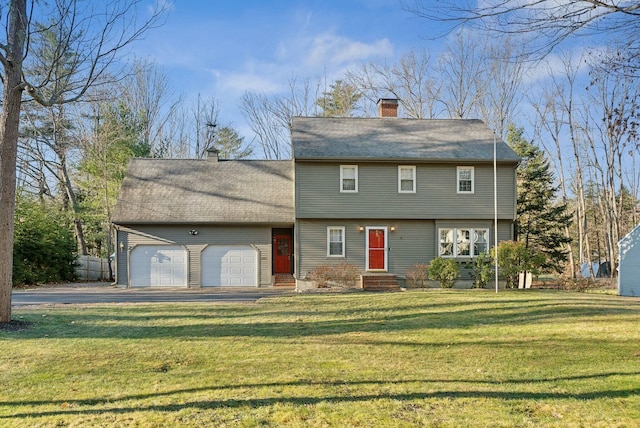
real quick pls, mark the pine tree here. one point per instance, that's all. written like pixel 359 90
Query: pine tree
pixel 340 100
pixel 118 137
pixel 231 144
pixel 540 217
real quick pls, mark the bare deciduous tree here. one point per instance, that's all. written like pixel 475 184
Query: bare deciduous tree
pixel 270 117
pixel 501 92
pixel 546 23
pixel 550 124
pixel 270 127
pixel 463 70
pixel 613 129
pixel 412 81
pixel 94 33
pixel 205 119
pixel 148 92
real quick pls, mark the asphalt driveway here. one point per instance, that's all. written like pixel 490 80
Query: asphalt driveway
pixel 98 293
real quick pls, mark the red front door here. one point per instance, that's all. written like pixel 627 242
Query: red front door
pixel 377 249
pixel 282 253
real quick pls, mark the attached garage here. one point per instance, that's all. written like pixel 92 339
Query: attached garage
pixel 201 222
pixel 230 266
pixel 158 266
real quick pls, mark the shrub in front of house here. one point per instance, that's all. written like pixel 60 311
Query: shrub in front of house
pixel 513 258
pixel 444 270
pixel 341 275
pixel 481 270
pixel 417 275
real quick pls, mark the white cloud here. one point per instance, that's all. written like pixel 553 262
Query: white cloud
pixel 325 54
pixel 329 48
pixel 239 83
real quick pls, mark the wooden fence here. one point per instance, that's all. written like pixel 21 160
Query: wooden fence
pixel 92 268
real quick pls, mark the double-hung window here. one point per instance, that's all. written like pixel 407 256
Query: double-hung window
pixel 465 179
pixel 406 179
pixel 335 241
pixel 462 242
pixel 349 178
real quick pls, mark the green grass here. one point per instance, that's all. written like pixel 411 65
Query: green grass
pixel 419 358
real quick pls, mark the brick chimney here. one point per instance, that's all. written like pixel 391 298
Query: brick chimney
pixel 388 107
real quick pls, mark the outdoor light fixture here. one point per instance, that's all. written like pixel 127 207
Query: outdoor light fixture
pixel 121 246
pixel 361 228
pixel 393 228
pixel 193 232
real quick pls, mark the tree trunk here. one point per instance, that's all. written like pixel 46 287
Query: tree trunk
pixel 9 124
pixel 71 195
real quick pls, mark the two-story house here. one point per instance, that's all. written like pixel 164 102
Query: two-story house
pixel 380 193
pixel 386 193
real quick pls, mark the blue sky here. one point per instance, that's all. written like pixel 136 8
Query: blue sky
pixel 221 49
pixel 224 48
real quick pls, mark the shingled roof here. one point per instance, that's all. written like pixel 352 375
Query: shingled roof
pixel 206 191
pixel 380 139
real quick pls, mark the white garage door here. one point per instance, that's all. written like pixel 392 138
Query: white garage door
pixel 158 266
pixel 230 266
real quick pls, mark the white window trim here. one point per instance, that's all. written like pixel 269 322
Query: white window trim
pixel 413 169
pixel 342 167
pixel 344 250
pixel 460 168
pixel 472 231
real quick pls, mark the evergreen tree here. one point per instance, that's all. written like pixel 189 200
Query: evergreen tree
pixel 44 247
pixel 540 217
pixel 340 100
pixel 230 144
pixel 118 137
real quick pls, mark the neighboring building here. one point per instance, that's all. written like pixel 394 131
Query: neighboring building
pixel 629 264
pixel 380 193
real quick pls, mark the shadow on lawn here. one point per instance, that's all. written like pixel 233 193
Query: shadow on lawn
pixel 306 400
pixel 314 320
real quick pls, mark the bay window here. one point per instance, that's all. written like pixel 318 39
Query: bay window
pixel 462 242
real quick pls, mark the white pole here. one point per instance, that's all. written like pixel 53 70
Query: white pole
pixel 495 206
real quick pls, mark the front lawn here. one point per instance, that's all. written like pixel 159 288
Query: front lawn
pixel 419 358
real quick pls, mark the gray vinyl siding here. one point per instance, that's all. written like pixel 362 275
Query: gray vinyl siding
pixel 259 237
pixel 410 243
pixel 505 231
pixel 413 241
pixel 318 192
